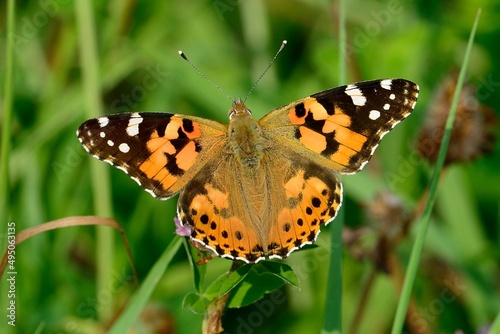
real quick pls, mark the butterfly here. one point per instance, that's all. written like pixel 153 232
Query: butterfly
pixel 255 190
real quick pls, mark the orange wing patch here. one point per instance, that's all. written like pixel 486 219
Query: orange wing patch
pixel 207 211
pixel 172 151
pixel 312 201
pixel 326 133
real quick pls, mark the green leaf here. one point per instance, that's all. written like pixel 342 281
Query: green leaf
pixel 225 283
pixel 199 272
pixel 253 288
pixel 195 303
pixel 281 270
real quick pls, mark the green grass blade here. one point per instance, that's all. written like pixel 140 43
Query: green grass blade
pixel 141 297
pixel 7 114
pixel 495 326
pixel 423 222
pixel 99 171
pixel 332 321
pixel 5 204
pixel 342 43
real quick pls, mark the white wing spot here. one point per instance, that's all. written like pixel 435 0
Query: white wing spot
pixel 356 95
pixel 386 84
pixel 387 106
pixel 374 115
pixel 124 148
pixel 392 96
pixel 133 124
pixel 111 143
pixel 102 134
pixel 89 133
pixel 103 121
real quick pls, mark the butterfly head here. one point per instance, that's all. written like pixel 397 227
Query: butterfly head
pixel 239 109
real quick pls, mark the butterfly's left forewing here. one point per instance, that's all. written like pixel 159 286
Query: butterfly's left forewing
pixel 340 128
pixel 160 151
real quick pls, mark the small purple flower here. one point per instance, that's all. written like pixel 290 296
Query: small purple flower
pixel 182 230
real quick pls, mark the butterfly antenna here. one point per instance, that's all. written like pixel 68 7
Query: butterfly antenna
pixel 267 69
pixel 183 55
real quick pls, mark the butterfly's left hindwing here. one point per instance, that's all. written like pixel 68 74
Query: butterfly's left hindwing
pixel 160 151
pixel 340 128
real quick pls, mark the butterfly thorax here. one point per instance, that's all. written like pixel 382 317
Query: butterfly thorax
pixel 245 138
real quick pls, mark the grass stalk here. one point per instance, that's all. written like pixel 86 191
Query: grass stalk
pixel 140 298
pixel 5 204
pixel 7 114
pixel 424 220
pixel 332 322
pixel 99 171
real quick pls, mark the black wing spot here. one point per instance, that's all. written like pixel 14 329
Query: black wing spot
pixel 213 225
pixel 300 111
pixel 187 125
pixel 272 246
pixel 282 251
pixel 286 227
pixel 172 166
pixel 204 219
pixel 224 234
pixel 316 202
pixel 238 235
pixel 332 212
pixel 161 128
pixel 219 250
pixel 234 253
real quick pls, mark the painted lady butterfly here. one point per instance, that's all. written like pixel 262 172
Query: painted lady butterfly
pixel 255 189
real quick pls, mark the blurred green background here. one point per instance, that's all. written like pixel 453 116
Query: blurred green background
pixel 232 41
